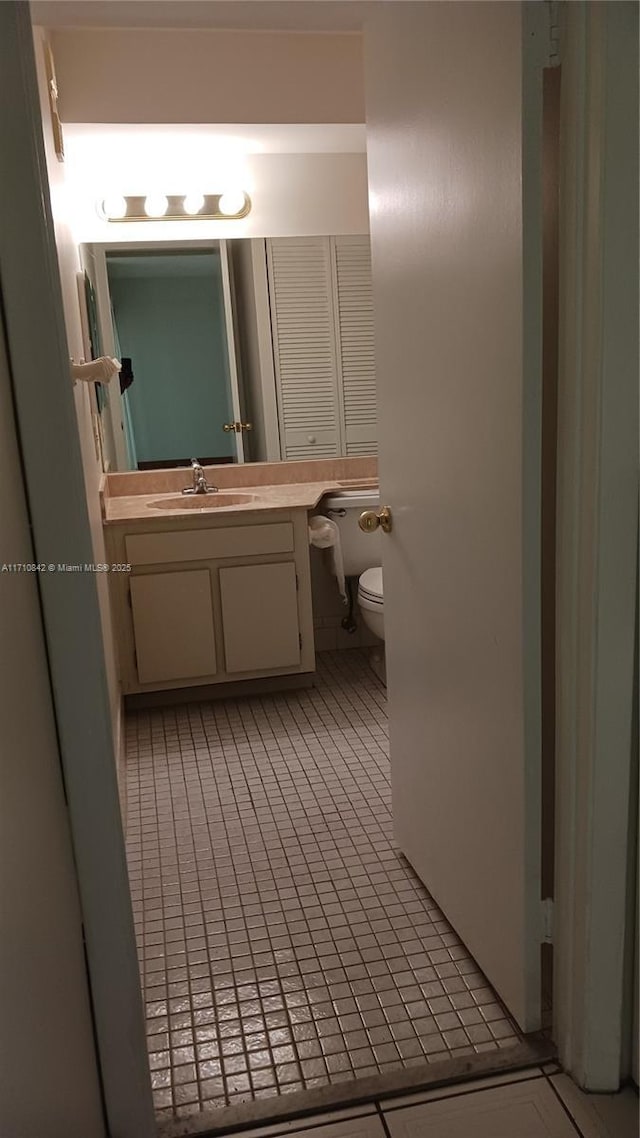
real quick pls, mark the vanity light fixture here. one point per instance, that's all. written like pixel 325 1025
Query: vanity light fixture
pixel 156 205
pixel 230 205
pixel 193 204
pixel 115 207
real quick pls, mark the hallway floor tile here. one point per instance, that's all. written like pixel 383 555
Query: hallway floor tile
pixel 526 1104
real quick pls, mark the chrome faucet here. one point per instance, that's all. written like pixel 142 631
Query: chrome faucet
pixel 200 484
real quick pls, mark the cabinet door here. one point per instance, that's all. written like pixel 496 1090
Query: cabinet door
pixel 260 617
pixel 173 625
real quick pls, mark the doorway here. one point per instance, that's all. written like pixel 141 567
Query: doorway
pixel 70 678
pixel 386 1022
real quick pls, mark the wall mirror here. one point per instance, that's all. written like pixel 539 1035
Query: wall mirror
pixel 237 350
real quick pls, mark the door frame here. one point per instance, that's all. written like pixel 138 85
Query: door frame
pixel 596 540
pixel 97 272
pixel 237 400
pixel 54 478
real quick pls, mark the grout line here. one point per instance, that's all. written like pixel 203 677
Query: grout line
pixel 383 1121
pixel 458 1090
pixel 564 1106
pixel 309 1122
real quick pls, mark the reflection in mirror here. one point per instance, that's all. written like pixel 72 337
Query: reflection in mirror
pixel 240 350
pixel 168 319
pixel 93 346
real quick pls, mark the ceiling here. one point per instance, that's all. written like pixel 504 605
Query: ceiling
pixel 263 15
pixel 261 138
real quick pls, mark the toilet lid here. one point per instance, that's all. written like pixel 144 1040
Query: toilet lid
pixel 370 584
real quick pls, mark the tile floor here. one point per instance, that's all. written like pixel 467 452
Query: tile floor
pixel 284 943
pixel 539 1103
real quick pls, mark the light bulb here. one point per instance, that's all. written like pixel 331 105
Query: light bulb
pixel 233 201
pixel 156 205
pixel 193 203
pixel 114 207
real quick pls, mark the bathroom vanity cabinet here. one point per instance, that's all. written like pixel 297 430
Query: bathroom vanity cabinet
pixel 211 599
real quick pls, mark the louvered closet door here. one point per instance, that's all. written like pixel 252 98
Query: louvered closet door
pixel 354 305
pixel 304 341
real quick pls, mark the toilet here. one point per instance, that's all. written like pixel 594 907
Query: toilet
pixel 361 552
pixel 370 600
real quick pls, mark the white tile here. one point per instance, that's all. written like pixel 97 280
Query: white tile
pixel 518 1110
pixel 600 1116
pixel 358 1122
pixel 467 1087
pixel 268 895
pixel 369 1127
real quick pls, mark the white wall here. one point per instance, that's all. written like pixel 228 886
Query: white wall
pixel 291 194
pixel 170 80
pixel 112 75
pixel 69 265
pixel 329 610
pixel 48 1073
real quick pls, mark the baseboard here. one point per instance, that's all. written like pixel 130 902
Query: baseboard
pixel 121 761
pixel 329 634
pixel 264 685
pixel 378 663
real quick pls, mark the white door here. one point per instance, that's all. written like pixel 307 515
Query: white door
pixel 322 330
pixel 459 469
pixel 304 347
pixel 234 374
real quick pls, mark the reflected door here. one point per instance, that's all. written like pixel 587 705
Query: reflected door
pixel 173 316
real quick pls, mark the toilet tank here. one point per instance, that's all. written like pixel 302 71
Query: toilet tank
pixel 360 550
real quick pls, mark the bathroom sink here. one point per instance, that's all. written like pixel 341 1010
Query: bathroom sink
pixel 201 501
